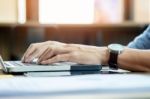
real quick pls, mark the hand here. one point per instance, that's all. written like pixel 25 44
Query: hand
pixel 82 54
pixel 37 49
pixel 75 53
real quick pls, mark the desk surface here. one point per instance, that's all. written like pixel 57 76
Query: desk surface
pixel 2 75
pixel 91 86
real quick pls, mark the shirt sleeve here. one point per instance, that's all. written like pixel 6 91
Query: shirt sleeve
pixel 142 41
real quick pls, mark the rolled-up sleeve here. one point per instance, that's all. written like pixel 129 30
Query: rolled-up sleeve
pixel 142 41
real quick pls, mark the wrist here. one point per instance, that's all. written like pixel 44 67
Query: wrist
pixel 106 58
pixel 104 55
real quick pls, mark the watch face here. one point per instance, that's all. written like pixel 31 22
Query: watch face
pixel 116 48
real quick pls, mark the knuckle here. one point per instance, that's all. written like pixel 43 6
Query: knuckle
pixel 49 47
pixel 32 45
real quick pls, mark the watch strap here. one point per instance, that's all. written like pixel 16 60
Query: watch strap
pixel 113 61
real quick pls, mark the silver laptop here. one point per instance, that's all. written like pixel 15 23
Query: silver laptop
pixel 19 67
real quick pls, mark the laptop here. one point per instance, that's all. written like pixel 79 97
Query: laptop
pixel 19 67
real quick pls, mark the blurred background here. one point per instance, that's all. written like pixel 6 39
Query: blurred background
pixel 90 22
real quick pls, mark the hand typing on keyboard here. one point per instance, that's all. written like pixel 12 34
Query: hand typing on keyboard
pixel 52 52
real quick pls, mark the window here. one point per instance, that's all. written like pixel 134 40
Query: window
pixel 109 11
pixel 74 11
pixel 21 11
pixel 12 11
pixel 8 11
pixel 66 11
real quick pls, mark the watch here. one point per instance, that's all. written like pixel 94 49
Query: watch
pixel 114 50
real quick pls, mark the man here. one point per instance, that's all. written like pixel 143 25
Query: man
pixel 133 57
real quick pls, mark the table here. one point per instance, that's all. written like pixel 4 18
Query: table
pixel 126 85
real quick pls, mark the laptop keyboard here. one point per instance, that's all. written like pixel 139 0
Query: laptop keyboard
pixel 13 63
pixel 16 63
pixel 19 63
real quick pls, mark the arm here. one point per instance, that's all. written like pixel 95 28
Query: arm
pixel 51 52
pixel 135 60
pixel 130 59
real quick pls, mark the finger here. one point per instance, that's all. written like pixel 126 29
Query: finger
pixel 52 52
pixel 29 52
pixel 47 54
pixel 57 58
pixel 36 54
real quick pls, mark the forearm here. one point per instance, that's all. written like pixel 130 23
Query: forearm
pixel 129 59
pixel 134 60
